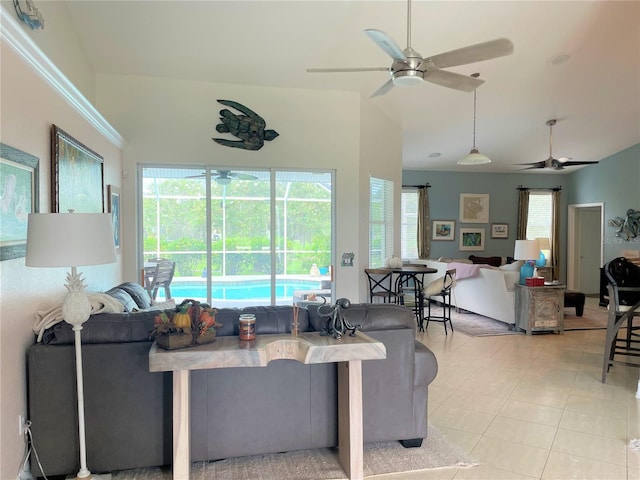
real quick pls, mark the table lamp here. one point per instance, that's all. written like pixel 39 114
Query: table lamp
pixel 529 251
pixel 72 240
pixel 545 251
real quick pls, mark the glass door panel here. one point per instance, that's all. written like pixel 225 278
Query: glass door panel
pixel 261 238
pixel 303 232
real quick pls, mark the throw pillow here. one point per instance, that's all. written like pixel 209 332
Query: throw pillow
pixel 123 297
pixel 167 305
pixel 139 294
pixel 512 267
pixel 434 288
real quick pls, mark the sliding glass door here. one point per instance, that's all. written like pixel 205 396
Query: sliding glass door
pixel 239 237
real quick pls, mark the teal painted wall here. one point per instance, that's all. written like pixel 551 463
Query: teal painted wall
pixel 616 182
pixel 444 198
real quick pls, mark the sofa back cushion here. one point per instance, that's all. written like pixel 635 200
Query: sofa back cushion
pixel 106 328
pixel 371 316
pixel 269 319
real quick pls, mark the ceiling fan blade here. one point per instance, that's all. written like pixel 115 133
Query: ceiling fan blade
pixel 242 176
pixel 453 80
pixel 471 54
pixel 573 164
pixel 334 70
pixel 534 165
pixel 386 43
pixel 541 163
pixel 383 89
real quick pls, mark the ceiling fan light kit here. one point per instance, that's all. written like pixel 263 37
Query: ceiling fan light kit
pixel 406 78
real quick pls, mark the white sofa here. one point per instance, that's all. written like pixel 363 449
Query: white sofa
pixel 489 292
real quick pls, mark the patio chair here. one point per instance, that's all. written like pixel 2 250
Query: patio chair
pixel 159 274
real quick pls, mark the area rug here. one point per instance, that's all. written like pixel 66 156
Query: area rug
pixel 381 458
pixel 474 325
pixel 593 318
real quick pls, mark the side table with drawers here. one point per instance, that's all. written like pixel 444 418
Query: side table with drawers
pixel 540 309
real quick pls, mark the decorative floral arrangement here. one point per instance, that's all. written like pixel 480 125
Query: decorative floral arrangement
pixel 191 324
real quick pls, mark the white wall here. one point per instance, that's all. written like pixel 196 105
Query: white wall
pixel 29 107
pixel 380 157
pixel 173 121
pixel 166 121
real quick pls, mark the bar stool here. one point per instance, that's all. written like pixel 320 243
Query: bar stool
pixel 441 288
pixel 381 286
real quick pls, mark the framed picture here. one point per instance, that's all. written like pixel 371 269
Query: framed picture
pixel 443 229
pixel 499 230
pixel 471 239
pixel 18 198
pixel 76 175
pixel 474 208
pixel 114 209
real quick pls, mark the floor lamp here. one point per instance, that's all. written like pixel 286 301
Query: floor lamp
pixel 72 240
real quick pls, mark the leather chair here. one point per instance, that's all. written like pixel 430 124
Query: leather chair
pixel 624 306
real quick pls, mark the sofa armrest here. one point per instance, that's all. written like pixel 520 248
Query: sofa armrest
pixel 426 365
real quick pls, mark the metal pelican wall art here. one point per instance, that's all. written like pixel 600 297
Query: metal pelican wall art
pixel 249 128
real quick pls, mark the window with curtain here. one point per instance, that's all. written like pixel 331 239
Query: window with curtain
pixel 538 218
pixel 540 215
pixel 380 221
pixel 409 223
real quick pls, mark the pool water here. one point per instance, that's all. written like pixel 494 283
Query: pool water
pixel 240 290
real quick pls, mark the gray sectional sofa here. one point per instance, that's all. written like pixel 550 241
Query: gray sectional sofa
pixel 234 412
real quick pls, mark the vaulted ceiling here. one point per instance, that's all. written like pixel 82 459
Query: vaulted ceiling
pixel 577 62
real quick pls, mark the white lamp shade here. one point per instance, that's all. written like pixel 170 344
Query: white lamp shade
pixel 474 157
pixel 526 250
pixel 544 243
pixel 69 239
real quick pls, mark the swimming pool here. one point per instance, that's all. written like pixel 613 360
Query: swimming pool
pixel 240 290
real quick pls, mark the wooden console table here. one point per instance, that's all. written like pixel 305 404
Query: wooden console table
pixel 308 348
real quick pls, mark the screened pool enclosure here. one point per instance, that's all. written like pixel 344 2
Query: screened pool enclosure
pixel 239 237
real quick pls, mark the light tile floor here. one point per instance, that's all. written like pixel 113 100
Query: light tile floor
pixel 533 407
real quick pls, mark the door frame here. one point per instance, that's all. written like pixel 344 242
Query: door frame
pixel 573 249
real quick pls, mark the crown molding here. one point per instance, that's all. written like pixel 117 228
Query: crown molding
pixel 14 35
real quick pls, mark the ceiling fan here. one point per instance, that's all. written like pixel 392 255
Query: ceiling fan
pixel 554 163
pixel 410 68
pixel 224 177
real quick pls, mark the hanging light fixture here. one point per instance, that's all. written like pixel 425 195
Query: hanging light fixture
pixel 474 157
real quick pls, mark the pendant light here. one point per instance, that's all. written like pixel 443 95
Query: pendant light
pixel 474 157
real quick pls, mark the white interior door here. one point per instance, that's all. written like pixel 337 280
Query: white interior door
pixel 585 247
pixel 589 258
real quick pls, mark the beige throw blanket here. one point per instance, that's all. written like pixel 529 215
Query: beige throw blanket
pixel 100 303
